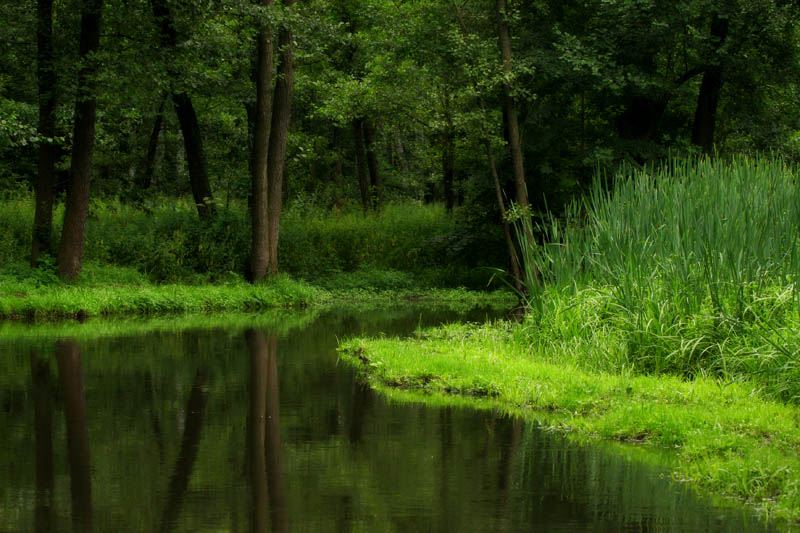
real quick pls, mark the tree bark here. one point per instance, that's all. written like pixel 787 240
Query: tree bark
pixel 376 182
pixel 70 379
pixel 279 129
pixel 705 115
pixel 146 177
pixel 510 115
pixel 187 118
pixel 46 79
pixel 73 234
pixel 448 152
pixel 361 163
pixel 260 246
pixel 337 170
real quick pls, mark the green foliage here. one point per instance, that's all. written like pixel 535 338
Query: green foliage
pixel 166 242
pixel 690 266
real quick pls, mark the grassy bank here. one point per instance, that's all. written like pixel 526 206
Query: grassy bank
pixel 727 439
pixel 662 308
pixel 27 294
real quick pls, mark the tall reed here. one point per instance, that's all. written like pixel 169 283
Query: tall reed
pixel 697 259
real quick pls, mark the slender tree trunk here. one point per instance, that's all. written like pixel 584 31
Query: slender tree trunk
pixel 512 251
pixel 195 155
pixel 361 163
pixel 338 172
pixel 510 115
pixel 705 115
pixel 46 79
pixel 70 379
pixel 448 152
pixel 401 154
pixel 187 118
pixel 260 246
pixel 279 129
pixel 146 177
pixel 73 234
pixel 376 182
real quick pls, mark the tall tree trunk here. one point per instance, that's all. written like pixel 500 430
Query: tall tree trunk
pixel 195 155
pixel 705 115
pixel 187 118
pixel 46 79
pixel 510 108
pixel 279 129
pixel 70 379
pixel 448 152
pixel 73 234
pixel 361 163
pixel 376 182
pixel 337 170
pixel 259 246
pixel 498 189
pixel 146 177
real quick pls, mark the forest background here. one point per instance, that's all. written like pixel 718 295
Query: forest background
pixel 188 115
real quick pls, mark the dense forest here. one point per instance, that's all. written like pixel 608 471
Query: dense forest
pixel 351 105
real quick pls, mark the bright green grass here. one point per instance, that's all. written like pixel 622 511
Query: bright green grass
pixel 726 438
pixel 107 290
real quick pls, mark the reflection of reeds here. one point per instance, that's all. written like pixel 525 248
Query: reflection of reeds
pixel 693 263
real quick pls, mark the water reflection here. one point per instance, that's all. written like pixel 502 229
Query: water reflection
pixel 41 385
pixel 73 393
pixel 258 428
pixel 179 480
pixel 266 465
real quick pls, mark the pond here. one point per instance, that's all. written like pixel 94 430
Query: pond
pixel 254 426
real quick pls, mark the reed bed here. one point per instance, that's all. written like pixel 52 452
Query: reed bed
pixel 689 267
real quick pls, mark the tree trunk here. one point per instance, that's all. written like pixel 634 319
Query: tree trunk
pixel 376 182
pixel 259 246
pixel 146 177
pixel 70 379
pixel 510 108
pixel 73 234
pixel 46 78
pixel 361 163
pixel 195 155
pixel 279 129
pixel 187 118
pixel 448 152
pixel 705 115
pixel 337 169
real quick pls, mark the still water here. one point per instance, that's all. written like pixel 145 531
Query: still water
pixel 255 427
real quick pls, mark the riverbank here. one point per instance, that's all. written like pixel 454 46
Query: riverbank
pixel 121 292
pixel 727 438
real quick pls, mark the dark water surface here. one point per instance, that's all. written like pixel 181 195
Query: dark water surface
pixel 259 429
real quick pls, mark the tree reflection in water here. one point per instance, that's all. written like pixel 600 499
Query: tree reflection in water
pixel 70 380
pixel 264 438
